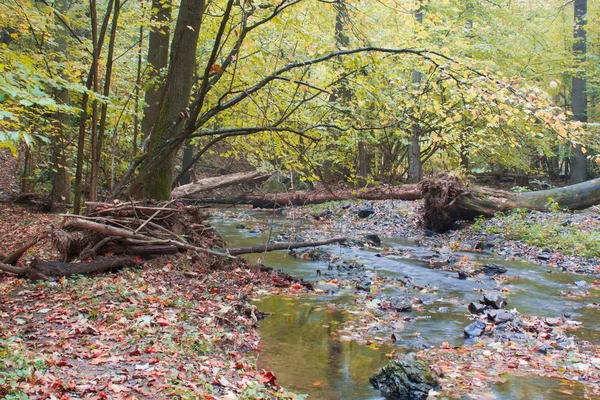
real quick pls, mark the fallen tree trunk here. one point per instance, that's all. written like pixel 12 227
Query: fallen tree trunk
pixel 403 192
pixel 54 270
pixel 448 199
pixel 215 183
pixel 282 246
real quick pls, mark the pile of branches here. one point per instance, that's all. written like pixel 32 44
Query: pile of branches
pixel 135 228
pixel 115 235
pixel 119 234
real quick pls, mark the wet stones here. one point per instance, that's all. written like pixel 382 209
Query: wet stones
pixel 402 304
pixel 323 215
pixel 500 316
pixel 493 269
pixel 373 238
pixel 483 246
pixel 476 308
pixel 544 256
pixel 493 299
pixel 474 329
pixel 408 379
pixel 366 211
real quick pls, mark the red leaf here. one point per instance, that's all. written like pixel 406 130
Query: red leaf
pixel 267 378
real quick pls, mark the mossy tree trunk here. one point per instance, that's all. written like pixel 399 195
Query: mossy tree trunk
pixel 156 172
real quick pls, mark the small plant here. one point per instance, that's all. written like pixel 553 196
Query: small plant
pixel 519 189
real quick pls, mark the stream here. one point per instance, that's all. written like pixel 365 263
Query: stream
pixel 302 342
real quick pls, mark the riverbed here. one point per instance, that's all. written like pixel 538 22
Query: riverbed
pixel 308 341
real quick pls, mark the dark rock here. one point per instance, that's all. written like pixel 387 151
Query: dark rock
pixel 409 379
pixel 323 215
pixel 493 269
pixel 544 256
pixel 493 299
pixel 400 304
pixel 476 308
pixel 240 226
pixel 484 246
pixel 366 211
pixel 430 233
pixel 462 274
pixel 474 329
pixel 544 349
pixel 364 285
pixel 500 316
pixel 373 238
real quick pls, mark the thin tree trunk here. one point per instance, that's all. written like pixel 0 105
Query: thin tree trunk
pixel 578 91
pixel 138 81
pixel 97 156
pixel 415 168
pixel 158 60
pixel 84 114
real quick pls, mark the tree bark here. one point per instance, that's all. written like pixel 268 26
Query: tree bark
pixel 216 182
pixel 156 171
pixel 578 91
pixel 158 59
pixel 415 167
pixel 404 192
pixel 447 199
pixel 283 246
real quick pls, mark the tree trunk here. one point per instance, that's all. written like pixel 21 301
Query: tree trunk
pixel 61 186
pixel 156 171
pixel 97 156
pixel 84 113
pixel 404 192
pixel 415 167
pixel 188 159
pixel 158 59
pixel 578 91
pixel 216 182
pixel 447 199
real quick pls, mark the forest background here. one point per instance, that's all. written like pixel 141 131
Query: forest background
pixel 103 98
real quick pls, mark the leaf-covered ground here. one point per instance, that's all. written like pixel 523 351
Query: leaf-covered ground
pixel 175 328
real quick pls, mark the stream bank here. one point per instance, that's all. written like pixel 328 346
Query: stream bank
pixel 404 295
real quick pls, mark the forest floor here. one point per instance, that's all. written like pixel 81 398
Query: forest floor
pixel 175 327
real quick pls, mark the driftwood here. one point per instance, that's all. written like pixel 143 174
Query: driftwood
pixel 215 183
pixel 282 246
pixel 448 199
pixel 403 192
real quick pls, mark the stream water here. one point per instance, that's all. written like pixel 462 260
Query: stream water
pixel 302 345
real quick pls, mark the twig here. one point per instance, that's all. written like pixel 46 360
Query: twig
pixel 153 215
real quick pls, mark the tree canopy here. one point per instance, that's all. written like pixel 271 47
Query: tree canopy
pixel 319 87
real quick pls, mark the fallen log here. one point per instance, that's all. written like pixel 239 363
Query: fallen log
pixel 282 246
pixel 54 270
pixel 215 183
pixel 300 198
pixel 448 199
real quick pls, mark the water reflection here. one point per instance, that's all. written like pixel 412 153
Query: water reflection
pixel 537 388
pixel 301 346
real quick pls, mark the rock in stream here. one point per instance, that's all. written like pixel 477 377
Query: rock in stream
pixel 407 379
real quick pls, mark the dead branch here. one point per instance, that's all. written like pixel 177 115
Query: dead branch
pixel 283 246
